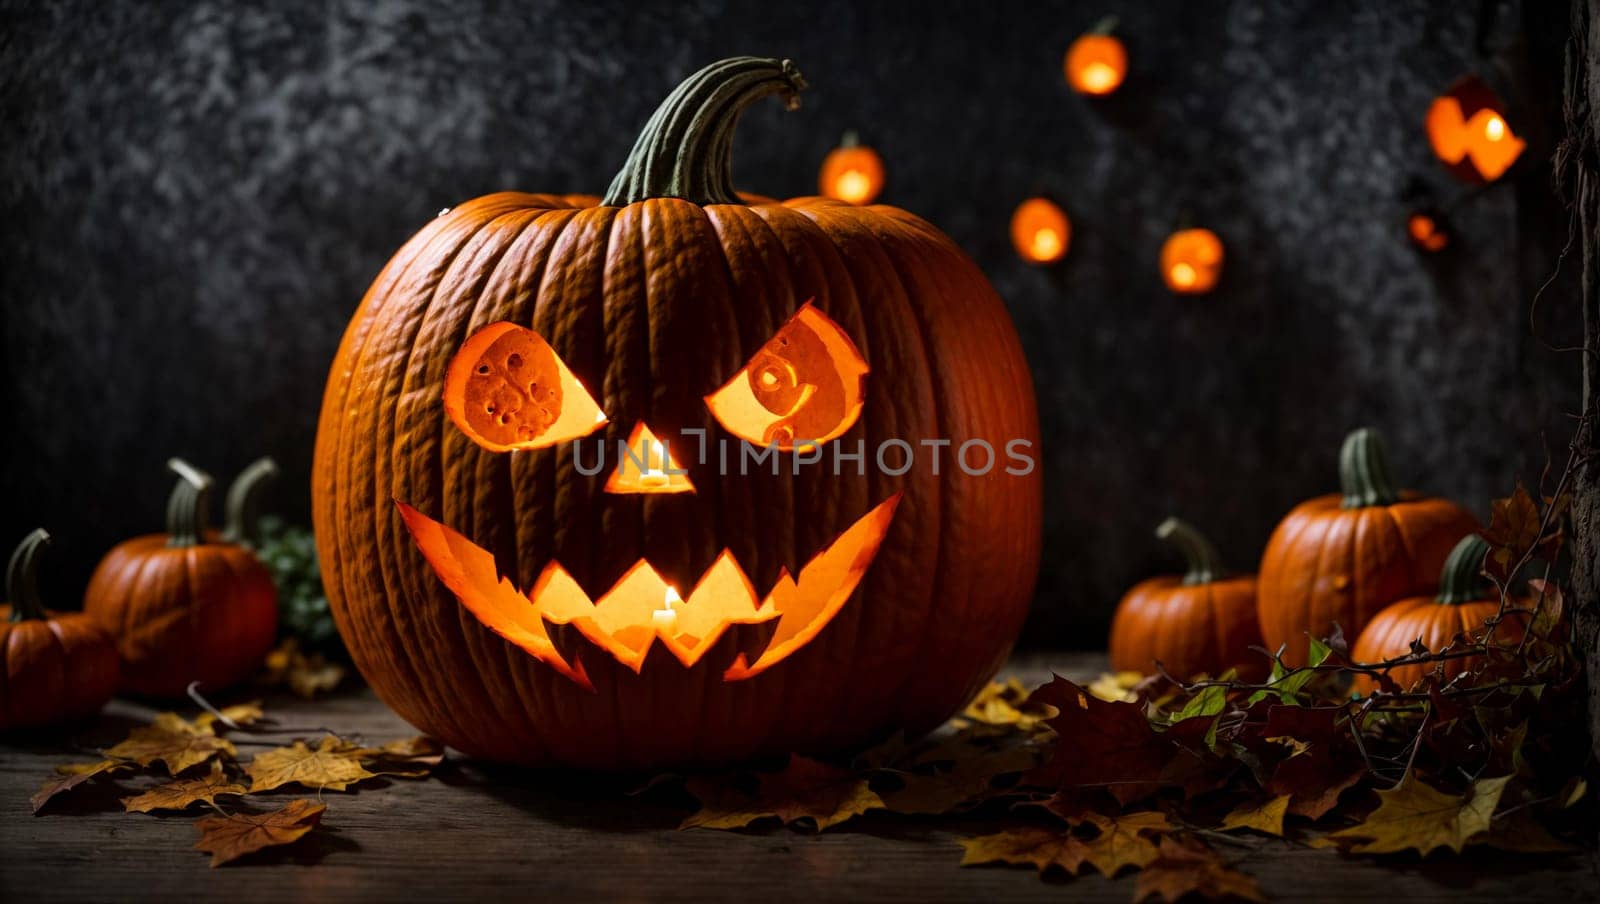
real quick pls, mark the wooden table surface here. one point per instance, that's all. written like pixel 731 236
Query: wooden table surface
pixel 477 832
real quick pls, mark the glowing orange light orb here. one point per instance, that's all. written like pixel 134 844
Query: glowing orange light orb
pixel 1191 261
pixel 1096 64
pixel 1040 231
pixel 852 172
pixel 1426 233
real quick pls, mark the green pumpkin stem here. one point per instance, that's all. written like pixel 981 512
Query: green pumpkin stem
pixel 22 577
pixel 1364 471
pixel 242 510
pixel 1461 580
pixel 686 149
pixel 1205 565
pixel 188 504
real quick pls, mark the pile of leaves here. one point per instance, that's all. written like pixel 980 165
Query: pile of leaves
pixel 195 762
pixel 1147 775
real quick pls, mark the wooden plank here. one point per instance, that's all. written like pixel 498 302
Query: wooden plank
pixel 477 831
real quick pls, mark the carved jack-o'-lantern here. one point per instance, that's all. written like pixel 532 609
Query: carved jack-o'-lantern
pixel 689 602
pixel 1470 134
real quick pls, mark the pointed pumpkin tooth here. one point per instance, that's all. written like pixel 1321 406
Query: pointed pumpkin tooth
pixel 749 640
pixel 566 638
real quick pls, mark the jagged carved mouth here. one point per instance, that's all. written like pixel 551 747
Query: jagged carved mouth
pixel 721 621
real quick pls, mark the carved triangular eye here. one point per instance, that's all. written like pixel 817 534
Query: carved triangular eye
pixel 508 389
pixel 806 385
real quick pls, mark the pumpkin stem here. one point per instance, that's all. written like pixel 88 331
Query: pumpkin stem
pixel 22 577
pixel 1461 580
pixel 1105 26
pixel 1205 565
pixel 186 507
pixel 1364 471
pixel 242 510
pixel 850 139
pixel 686 149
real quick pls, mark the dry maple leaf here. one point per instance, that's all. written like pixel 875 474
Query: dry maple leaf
pixel 1006 706
pixel 405 758
pixel 1112 745
pixel 1120 843
pixel 1262 816
pixel 228 838
pixel 304 675
pixel 1181 870
pixel 333 765
pixel 1116 687
pixel 173 741
pixel 240 714
pixel 180 794
pixel 71 776
pixel 1415 816
pixel 969 778
pixel 1041 848
pixel 805 790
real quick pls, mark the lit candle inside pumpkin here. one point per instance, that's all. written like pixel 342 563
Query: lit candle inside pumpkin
pixel 653 475
pixel 665 619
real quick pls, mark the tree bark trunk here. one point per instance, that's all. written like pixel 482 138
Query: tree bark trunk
pixel 1578 168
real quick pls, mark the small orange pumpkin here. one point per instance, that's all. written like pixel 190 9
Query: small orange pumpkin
pixel 57 666
pixel 852 172
pixel 1461 607
pixel 1339 559
pixel 181 607
pixel 1201 623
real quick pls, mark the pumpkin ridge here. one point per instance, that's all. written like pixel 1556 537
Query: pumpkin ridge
pixel 859 233
pixel 365 336
pixel 916 252
pixel 398 346
pixel 531 690
pixel 456 302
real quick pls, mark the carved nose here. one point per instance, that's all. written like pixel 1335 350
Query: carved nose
pixel 647 465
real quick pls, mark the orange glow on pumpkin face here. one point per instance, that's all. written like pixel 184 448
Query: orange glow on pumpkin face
pixel 806 384
pixel 1096 64
pixel 1469 133
pixel 852 173
pixel 1040 231
pixel 722 621
pixel 647 465
pixel 508 390
pixel 1191 261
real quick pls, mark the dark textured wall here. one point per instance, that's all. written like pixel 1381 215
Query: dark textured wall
pixel 194 196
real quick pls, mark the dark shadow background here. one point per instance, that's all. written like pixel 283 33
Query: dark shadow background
pixel 193 198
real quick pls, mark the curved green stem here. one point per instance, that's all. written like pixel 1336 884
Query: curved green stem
pixel 686 149
pixel 1205 565
pixel 186 507
pixel 1461 580
pixel 242 510
pixel 22 577
pixel 1364 471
